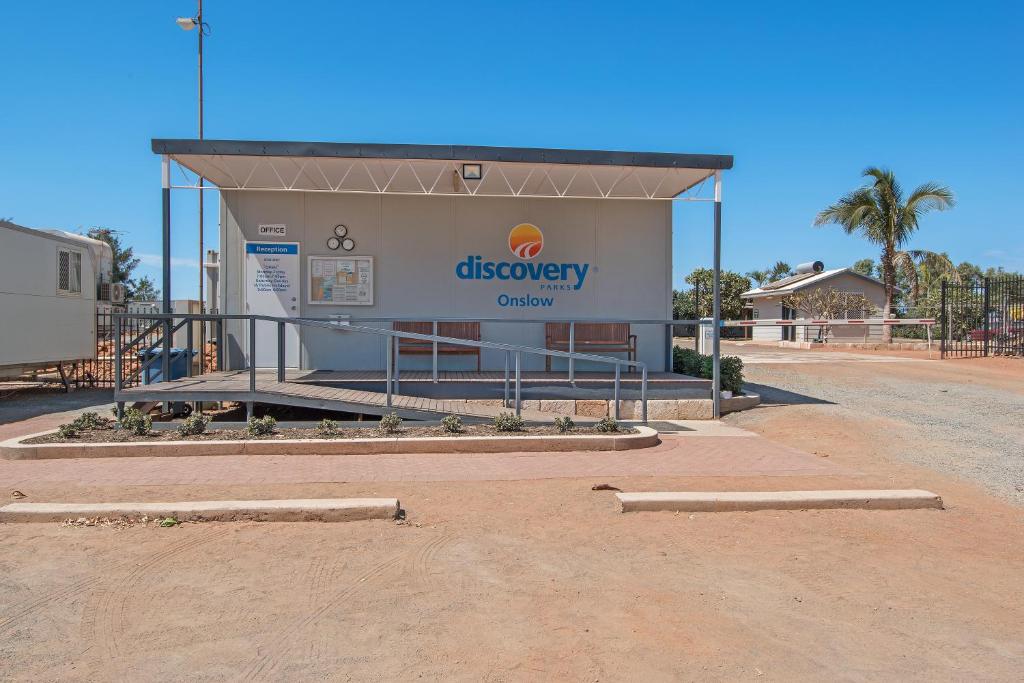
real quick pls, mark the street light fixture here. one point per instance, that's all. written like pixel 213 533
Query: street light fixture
pixel 186 23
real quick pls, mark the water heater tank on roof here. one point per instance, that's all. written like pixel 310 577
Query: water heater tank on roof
pixel 810 267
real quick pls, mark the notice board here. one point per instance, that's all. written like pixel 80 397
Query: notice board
pixel 341 280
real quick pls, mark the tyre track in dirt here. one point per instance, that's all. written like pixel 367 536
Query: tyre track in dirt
pixel 32 605
pixel 283 641
pixel 109 617
pixel 424 558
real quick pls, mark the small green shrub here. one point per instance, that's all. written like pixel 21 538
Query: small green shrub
pixel 732 374
pixel 327 429
pixel 261 426
pixel 136 422
pixel 452 424
pixel 509 422
pixel 390 424
pixel 689 362
pixel 68 431
pixel 169 521
pixel 564 424
pixel 89 421
pixel 193 425
pixel 607 424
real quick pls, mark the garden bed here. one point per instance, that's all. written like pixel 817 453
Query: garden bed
pixel 106 442
pixel 112 435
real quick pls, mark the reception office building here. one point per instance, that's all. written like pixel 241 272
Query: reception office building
pixel 507 237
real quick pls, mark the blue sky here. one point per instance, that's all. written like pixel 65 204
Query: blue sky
pixel 805 95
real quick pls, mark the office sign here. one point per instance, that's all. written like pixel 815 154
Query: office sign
pixel 272 230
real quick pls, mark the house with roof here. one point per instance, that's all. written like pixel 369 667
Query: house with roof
pixel 774 300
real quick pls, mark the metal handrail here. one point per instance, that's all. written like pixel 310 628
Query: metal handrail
pixel 665 322
pixel 391 376
pixel 244 316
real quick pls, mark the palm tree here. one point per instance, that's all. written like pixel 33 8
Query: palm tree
pixel 879 213
pixel 923 270
pixel 761 277
pixel 780 270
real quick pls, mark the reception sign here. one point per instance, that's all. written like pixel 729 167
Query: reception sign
pixel 341 280
pixel 272 288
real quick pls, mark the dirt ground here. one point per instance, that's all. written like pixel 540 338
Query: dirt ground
pixel 542 579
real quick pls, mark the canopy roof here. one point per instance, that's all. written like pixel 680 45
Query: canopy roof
pixel 437 169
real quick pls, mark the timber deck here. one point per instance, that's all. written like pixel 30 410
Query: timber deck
pixel 326 390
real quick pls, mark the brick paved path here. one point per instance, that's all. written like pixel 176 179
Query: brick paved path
pixel 676 456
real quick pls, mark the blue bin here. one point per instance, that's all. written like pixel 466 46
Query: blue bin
pixel 154 371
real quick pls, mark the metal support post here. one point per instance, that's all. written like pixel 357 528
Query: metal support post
pixel 696 313
pixel 117 356
pixel 165 358
pixel 643 395
pixel 434 352
pixel 202 346
pixel 189 343
pixel 280 351
pixel 252 355
pixel 220 344
pixel 389 367
pixel 250 410
pixel 618 380
pixel 985 324
pixel 572 349
pixel 942 323
pixel 669 346
pixel 519 396
pixel 716 312
pixel 397 372
pixel 165 198
pixel 508 363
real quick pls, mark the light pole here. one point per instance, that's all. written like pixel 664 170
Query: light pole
pixel 187 24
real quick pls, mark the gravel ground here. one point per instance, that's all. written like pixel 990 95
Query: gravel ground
pixel 949 416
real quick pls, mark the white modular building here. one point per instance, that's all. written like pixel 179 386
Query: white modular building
pixel 50 281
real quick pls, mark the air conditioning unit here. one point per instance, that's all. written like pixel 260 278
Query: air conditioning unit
pixel 118 293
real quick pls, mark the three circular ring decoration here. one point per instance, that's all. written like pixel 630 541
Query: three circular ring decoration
pixel 341 239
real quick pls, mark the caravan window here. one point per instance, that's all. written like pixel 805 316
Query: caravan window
pixel 69 271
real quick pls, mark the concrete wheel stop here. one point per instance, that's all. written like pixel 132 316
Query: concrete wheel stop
pixel 298 510
pixel 738 501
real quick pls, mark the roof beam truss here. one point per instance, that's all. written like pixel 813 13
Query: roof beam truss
pixel 427 177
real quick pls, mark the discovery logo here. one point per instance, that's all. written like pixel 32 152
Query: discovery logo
pixel 526 242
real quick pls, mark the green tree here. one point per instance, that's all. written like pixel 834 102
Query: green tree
pixel 124 257
pixel 969 273
pixel 865 266
pixel 733 284
pixel 879 213
pixel 780 270
pixel 683 306
pixel 144 289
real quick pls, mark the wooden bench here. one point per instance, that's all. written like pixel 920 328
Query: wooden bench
pixel 408 345
pixel 590 337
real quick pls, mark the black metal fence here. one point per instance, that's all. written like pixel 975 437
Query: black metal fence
pixel 983 318
pixel 137 335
